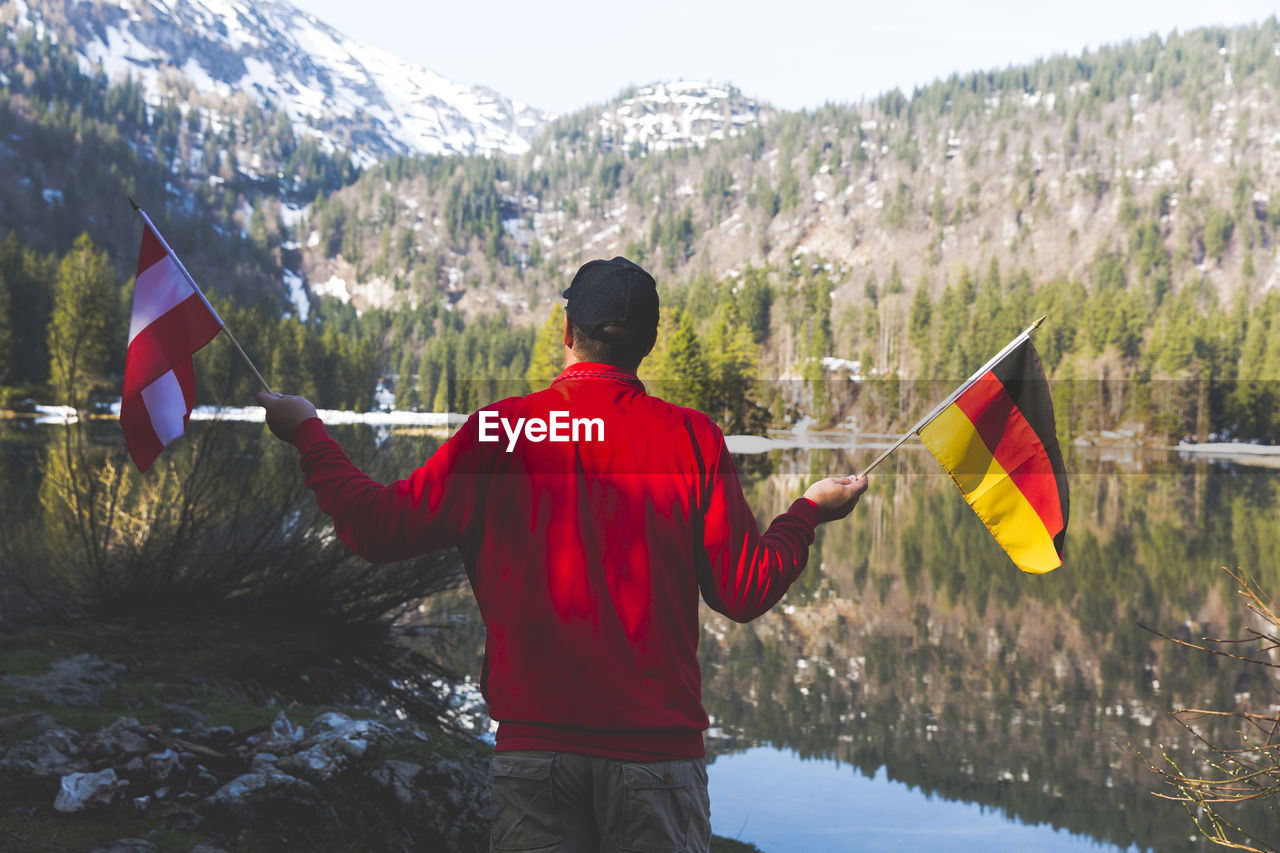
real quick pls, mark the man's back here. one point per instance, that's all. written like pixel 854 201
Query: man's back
pixel 586 556
pixel 593 593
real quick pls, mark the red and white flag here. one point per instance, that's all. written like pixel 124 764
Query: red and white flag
pixel 171 320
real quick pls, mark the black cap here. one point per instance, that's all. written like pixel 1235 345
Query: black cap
pixel 615 291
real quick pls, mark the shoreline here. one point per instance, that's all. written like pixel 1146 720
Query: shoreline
pixel 773 439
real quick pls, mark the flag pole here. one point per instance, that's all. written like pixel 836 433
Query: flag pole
pixel 954 395
pixel 191 281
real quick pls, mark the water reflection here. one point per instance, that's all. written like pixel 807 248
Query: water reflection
pixel 912 643
pixel 785 804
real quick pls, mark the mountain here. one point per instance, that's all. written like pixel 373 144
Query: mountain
pixel 656 118
pixel 343 93
pixel 1128 193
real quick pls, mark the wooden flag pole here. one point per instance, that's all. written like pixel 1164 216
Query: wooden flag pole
pixel 191 281
pixel 954 395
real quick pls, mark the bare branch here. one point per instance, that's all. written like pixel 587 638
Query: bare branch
pixel 1245 773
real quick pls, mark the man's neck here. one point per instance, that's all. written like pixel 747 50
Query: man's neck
pixel 571 358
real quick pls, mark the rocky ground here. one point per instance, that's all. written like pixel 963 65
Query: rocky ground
pixel 98 754
pixel 207 775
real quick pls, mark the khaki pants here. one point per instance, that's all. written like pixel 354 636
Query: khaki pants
pixel 562 801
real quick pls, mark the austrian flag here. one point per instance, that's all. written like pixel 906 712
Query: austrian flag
pixel 171 320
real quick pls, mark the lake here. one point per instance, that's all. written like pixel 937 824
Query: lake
pixel 914 690
pixel 913 652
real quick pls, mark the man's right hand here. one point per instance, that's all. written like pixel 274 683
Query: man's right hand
pixel 285 413
pixel 836 497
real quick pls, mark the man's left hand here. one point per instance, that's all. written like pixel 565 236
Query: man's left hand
pixel 835 497
pixel 285 413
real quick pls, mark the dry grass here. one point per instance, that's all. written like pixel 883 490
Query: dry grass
pixel 218 551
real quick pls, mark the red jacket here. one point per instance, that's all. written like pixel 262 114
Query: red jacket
pixel 586 557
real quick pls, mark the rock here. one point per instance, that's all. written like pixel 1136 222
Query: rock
pixel 54 752
pixel 448 799
pixel 326 723
pixel 178 816
pixel 323 761
pixel 282 737
pixel 123 739
pixel 18 722
pixel 358 734
pixel 367 730
pixel 272 798
pixel 203 780
pixel 44 723
pixel 310 784
pixel 397 777
pixel 77 681
pixel 83 790
pixel 126 845
pixel 282 729
pixel 464 786
pixel 161 765
pixel 207 848
pixel 332 749
pixel 267 781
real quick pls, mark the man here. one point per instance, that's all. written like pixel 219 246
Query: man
pixel 589 517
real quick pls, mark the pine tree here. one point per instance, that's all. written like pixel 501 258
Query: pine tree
pixel 919 322
pixel 445 384
pixel 1218 225
pixel 291 364
pixel 894 285
pixel 81 325
pixel 733 362
pixel 361 373
pixel 1253 399
pixel 755 300
pixel 681 366
pixel 442 400
pixel 547 359
pixel 406 386
pixel 871 290
pixel 429 370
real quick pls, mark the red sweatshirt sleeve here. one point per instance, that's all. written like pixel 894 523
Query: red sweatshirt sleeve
pixel 432 509
pixel 746 571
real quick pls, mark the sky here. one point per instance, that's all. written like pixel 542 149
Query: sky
pixel 562 55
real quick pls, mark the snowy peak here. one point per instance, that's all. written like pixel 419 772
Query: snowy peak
pixel 346 93
pixel 665 116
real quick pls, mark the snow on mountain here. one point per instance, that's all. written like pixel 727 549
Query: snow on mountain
pixel 344 92
pixel 674 115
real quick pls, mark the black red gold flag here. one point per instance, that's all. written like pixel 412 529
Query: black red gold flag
pixel 998 442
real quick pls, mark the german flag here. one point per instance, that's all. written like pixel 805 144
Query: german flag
pixel 998 443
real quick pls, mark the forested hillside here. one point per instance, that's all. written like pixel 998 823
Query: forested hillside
pixel 1127 193
pixel 220 183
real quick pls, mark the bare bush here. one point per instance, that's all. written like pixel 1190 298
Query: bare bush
pixel 219 534
pixel 1242 774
